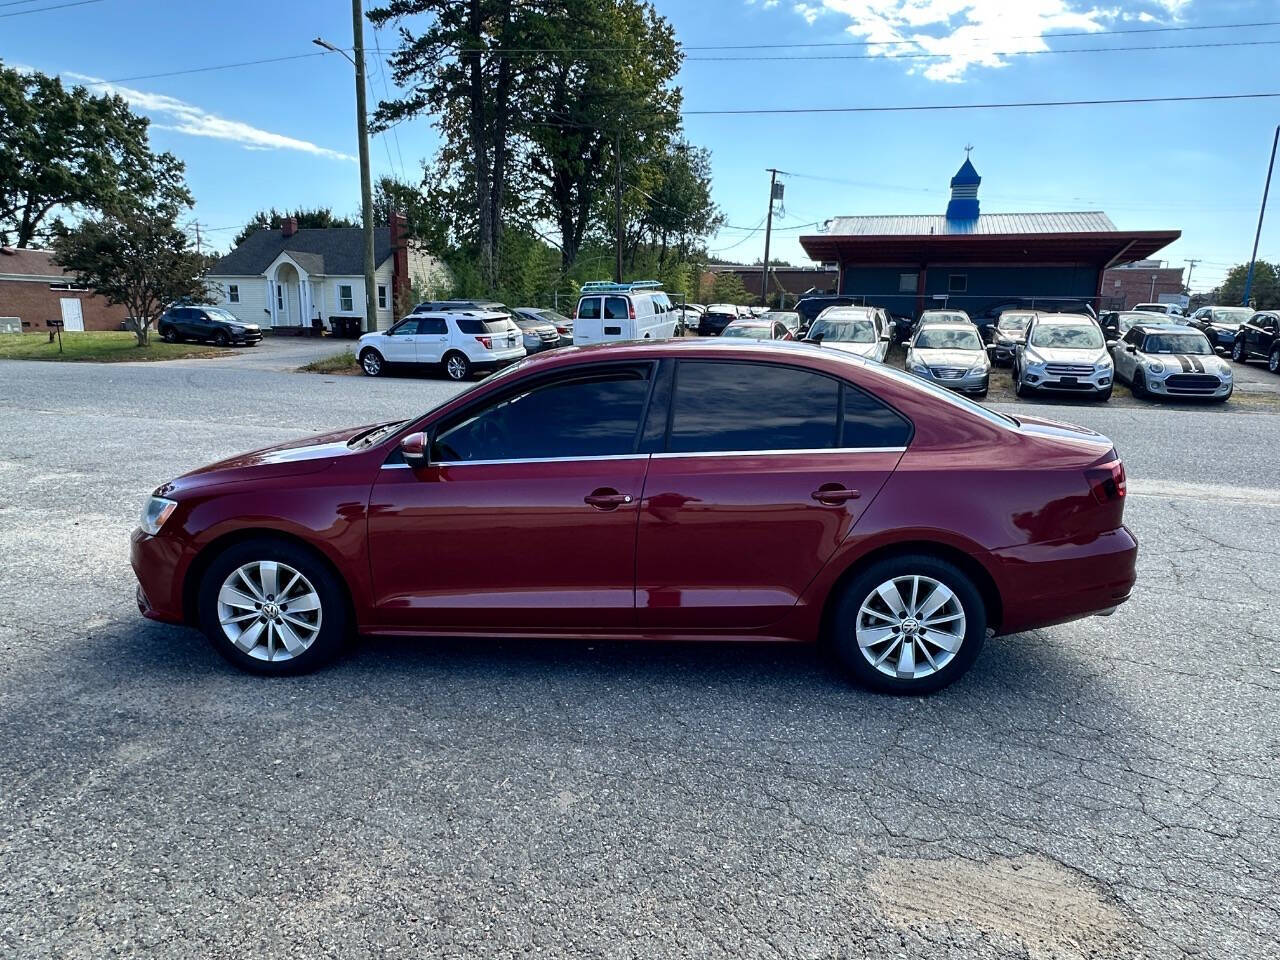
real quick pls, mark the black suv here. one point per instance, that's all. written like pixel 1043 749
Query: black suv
pixel 206 323
pixel 1259 337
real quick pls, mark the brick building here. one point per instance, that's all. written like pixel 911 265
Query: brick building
pixel 35 290
pixel 1125 287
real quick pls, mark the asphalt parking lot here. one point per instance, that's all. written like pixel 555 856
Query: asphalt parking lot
pixel 1106 788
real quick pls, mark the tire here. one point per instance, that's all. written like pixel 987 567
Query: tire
pixel 317 629
pixel 1273 360
pixel 169 334
pixel 1019 388
pixel 1238 353
pixel 221 339
pixel 1104 396
pixel 953 645
pixel 456 366
pixel 372 363
pixel 1140 391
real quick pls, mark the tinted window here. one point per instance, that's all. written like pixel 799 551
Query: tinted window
pixel 869 423
pixel 615 308
pixel 589 308
pixel 433 325
pixel 589 416
pixel 471 325
pixel 751 406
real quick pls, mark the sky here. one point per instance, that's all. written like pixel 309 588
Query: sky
pixel 283 133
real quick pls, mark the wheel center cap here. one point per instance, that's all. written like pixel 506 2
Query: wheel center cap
pixel 270 610
pixel 910 626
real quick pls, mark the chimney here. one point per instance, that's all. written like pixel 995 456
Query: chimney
pixel 399 261
pixel 289 227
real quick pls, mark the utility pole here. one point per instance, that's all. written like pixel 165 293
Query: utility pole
pixel 617 204
pixel 1152 296
pixel 768 230
pixel 1191 266
pixel 1248 282
pixel 362 133
pixel 197 238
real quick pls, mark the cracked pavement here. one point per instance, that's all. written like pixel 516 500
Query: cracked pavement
pixel 505 798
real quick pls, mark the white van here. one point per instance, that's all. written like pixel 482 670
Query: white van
pixel 623 311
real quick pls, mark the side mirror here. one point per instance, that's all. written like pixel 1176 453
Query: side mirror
pixel 816 338
pixel 1130 348
pixel 1111 343
pixel 414 449
pixel 991 349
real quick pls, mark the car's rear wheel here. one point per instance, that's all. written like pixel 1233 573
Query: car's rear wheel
pixel 909 624
pixel 270 606
pixel 169 333
pixel 456 366
pixel 1238 353
pixel 371 363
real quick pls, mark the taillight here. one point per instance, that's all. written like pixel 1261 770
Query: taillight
pixel 562 329
pixel 1107 481
pixel 631 310
pixel 486 342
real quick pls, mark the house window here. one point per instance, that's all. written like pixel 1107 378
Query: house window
pixel 279 297
pixel 382 297
pixel 957 283
pixel 233 293
pixel 346 302
pixel 907 282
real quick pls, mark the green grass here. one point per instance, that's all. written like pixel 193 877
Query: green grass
pixel 344 362
pixel 99 347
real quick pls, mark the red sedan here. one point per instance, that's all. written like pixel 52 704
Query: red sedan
pixel 690 490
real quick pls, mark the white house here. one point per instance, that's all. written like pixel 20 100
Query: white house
pixel 290 278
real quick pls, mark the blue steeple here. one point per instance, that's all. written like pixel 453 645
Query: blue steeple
pixel 964 192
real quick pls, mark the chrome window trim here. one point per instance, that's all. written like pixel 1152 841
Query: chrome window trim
pixel 657 456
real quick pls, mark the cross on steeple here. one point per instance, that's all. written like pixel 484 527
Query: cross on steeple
pixel 968 148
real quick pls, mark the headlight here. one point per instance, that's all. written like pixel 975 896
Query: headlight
pixel 1031 357
pixel 977 371
pixel 154 513
pixel 237 329
pixel 1225 372
pixel 1155 366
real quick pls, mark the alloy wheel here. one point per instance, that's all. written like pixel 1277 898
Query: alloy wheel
pixel 455 367
pixel 169 335
pixel 910 627
pixel 371 363
pixel 1273 361
pixel 269 610
pixel 1237 351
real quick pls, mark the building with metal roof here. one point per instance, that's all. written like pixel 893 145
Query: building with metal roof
pixel 978 261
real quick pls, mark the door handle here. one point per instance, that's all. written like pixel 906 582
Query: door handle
pixel 834 494
pixel 606 498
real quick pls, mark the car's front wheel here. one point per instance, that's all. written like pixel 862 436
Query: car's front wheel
pixel 169 333
pixel 909 624
pixel 1238 353
pixel 1273 360
pixel 1139 385
pixel 371 363
pixel 222 339
pixel 1019 388
pixel 270 606
pixel 456 366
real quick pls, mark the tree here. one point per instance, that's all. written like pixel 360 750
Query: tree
pixel 672 208
pixel 273 219
pixel 61 149
pixel 133 252
pixel 422 207
pixel 728 288
pixel 1265 292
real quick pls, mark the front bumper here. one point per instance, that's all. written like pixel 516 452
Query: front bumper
pixel 160 564
pixel 1003 352
pixel 1047 583
pixel 1189 385
pixel 1040 377
pixel 966 383
pixel 1220 338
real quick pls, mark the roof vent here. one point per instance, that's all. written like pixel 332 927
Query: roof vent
pixel 964 193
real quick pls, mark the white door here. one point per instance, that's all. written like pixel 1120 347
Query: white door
pixel 72 317
pixel 401 344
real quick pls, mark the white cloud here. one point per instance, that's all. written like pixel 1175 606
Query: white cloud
pixel 965 34
pixel 171 113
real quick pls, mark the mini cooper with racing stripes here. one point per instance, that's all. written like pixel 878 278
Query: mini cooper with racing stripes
pixel 1171 360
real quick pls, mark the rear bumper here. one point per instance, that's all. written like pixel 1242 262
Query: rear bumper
pixel 1047 583
pixel 160 564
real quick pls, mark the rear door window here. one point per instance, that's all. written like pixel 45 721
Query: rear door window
pixel 615 308
pixel 589 308
pixel 866 422
pixel 434 326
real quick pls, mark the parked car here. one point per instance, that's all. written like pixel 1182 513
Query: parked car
pixel 1259 337
pixel 563 324
pixel 1164 309
pixel 788 318
pixel 990 315
pixel 1168 360
pixel 449 306
pixel 539 333
pixel 952 356
pixel 457 342
pixel 809 307
pixel 1063 353
pixel 1220 324
pixel 715 318
pixel 850 330
pixel 1008 333
pixel 811 496
pixel 689 314
pixel 609 312
pixel 220 326
pixel 757 328
pixel 1117 323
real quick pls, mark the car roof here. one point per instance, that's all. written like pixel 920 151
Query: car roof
pixel 1165 328
pixel 1066 318
pixel 844 309
pixel 942 325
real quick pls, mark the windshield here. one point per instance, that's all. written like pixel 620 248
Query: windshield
pixel 1014 321
pixel 787 317
pixel 759 331
pixel 1231 315
pixel 1187 343
pixel 844 331
pixel 217 313
pixel 1067 336
pixel 559 319
pixel 1127 320
pixel 947 338
pixel 1152 308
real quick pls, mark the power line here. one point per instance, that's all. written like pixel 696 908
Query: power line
pixel 217 66
pixel 60 6
pixel 916 108
pixel 753 58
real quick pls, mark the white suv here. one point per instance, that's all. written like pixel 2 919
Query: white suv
pixel 623 311
pixel 457 341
